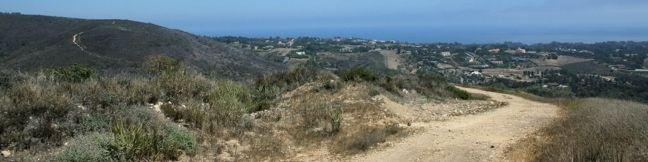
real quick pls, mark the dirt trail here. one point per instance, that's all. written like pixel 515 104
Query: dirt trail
pixel 479 137
pixel 76 38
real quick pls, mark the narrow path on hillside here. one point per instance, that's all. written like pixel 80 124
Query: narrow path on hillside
pixel 76 39
pixel 479 137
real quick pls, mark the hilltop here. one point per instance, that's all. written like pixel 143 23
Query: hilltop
pixel 31 42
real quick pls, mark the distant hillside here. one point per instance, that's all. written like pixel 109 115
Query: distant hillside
pixel 29 42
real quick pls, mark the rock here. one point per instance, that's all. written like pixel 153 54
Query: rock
pixel 5 153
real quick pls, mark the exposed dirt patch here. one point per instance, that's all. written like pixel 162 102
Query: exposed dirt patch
pixel 478 137
pixel 392 60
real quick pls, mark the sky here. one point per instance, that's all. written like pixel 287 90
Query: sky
pixel 419 21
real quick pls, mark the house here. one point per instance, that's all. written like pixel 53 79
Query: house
pixel 475 73
pixel 494 50
pixel 510 51
pixel 641 70
pixel 346 49
pixel 522 59
pixel 445 54
pixel 484 66
pixel 497 62
pixel 301 53
pixel 470 59
pixel 520 51
pixel 617 67
pixel 268 47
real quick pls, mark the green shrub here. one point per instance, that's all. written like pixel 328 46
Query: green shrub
pixel 550 91
pixel 228 103
pixel 73 73
pixel 94 123
pixel 458 93
pixel 225 106
pixel 182 86
pixel 141 91
pixel 136 115
pixel 196 114
pixel 177 140
pixel 357 74
pixel 85 148
pixel 133 141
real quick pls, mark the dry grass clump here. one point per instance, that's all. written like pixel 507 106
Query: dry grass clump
pixel 365 138
pixel 595 129
pixel 321 117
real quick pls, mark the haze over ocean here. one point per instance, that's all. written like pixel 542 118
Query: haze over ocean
pixel 466 21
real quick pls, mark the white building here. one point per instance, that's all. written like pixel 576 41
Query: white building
pixel 445 54
pixel 495 50
pixel 520 51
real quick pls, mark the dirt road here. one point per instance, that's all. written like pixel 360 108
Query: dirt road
pixel 479 137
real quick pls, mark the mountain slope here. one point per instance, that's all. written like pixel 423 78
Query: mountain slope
pixel 29 42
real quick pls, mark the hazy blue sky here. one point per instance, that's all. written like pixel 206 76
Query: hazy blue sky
pixel 466 21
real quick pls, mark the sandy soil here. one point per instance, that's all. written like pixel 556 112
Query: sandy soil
pixel 480 137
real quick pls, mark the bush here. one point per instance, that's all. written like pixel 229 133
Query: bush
pixel 94 123
pixel 357 74
pixel 458 93
pixel 177 140
pixel 228 103
pixel 73 73
pixel 550 91
pixel 225 105
pixel 133 142
pixel 182 86
pixel 196 114
pixel 90 147
pixel 270 86
pixel 32 114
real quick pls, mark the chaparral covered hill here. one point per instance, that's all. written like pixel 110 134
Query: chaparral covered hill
pixel 30 42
